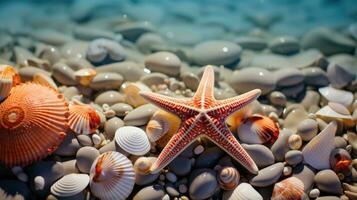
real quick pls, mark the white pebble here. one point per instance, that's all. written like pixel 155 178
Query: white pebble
pixel 106 107
pixel 183 188
pixel 109 113
pixel 22 177
pixel 171 177
pixel 39 183
pixel 199 149
pixel 314 193
pixel 166 197
pixel 287 170
pixel 96 139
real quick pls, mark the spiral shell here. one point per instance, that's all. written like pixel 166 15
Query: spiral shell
pixel 85 76
pixel 142 165
pixel 258 129
pixel 45 80
pixel 33 122
pixel 161 123
pixel 132 140
pixel 317 152
pixel 112 176
pixel 83 119
pixel 228 178
pixel 8 78
pixel 289 189
pixel 70 185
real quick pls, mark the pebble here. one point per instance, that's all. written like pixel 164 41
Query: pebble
pixel 199 149
pixel 305 174
pixel 288 77
pixel 314 193
pixel 183 188
pixel 171 177
pixel 203 184
pixel 148 42
pixel 164 62
pixel 295 142
pixel 121 109
pixel 181 166
pixel 85 157
pixel 110 97
pixel 140 115
pixel 106 81
pixel 131 71
pixel 152 192
pixel 328 181
pixel 293 119
pixel 286 45
pixel 14 187
pixel 287 170
pixel 171 190
pixel 96 139
pixel 154 78
pixel 315 76
pixel 307 129
pixel 268 175
pixel 216 52
pixel 251 78
pixel 209 158
pixel 261 154
pixel 277 98
pixel 111 126
pixel 251 43
pixel 280 147
pixel 338 76
pixel 100 50
pixel 293 157
pixel 68 147
pixel 64 74
pixel 84 140
pixel 340 142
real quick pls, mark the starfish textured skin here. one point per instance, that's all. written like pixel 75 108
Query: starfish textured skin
pixel 205 116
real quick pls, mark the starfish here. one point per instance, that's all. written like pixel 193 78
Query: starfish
pixel 203 116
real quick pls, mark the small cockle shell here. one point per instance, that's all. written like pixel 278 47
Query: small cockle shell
pixel 338 96
pixel 132 140
pixel 70 185
pixel 112 176
pixel 317 152
pixel 45 80
pixel 289 189
pixel 142 165
pixel 258 129
pixel 9 77
pixel 161 122
pixel 33 122
pixel 244 191
pixel 83 119
pixel 85 76
pixel 228 178
pixel 132 96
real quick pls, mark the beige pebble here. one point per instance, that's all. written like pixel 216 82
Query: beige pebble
pixel 295 142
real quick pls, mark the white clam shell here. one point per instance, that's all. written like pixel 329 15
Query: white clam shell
pixel 133 140
pixel 334 111
pixel 70 185
pixel 115 180
pixel 244 191
pixel 317 152
pixel 335 95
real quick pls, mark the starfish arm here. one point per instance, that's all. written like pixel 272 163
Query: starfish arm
pixel 204 96
pixel 179 107
pixel 222 137
pixel 228 106
pixel 186 134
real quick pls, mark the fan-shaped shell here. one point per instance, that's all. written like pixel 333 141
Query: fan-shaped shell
pixel 70 185
pixel 112 176
pixel 142 165
pixel 228 178
pixel 45 80
pixel 173 127
pixel 83 119
pixel 8 78
pixel 258 129
pixel 132 140
pixel 317 152
pixel 161 123
pixel 289 189
pixel 33 122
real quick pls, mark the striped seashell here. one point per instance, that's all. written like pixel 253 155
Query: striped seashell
pixel 70 185
pixel 142 165
pixel 258 129
pixel 161 123
pixel 132 140
pixel 45 80
pixel 33 122
pixel 244 191
pixel 132 90
pixel 85 76
pixel 289 189
pixel 317 152
pixel 228 178
pixel 83 119
pixel 112 176
pixel 9 77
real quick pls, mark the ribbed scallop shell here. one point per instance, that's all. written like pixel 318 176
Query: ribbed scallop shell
pixel 83 119
pixel 161 123
pixel 8 78
pixel 45 80
pixel 258 129
pixel 133 140
pixel 317 152
pixel 112 176
pixel 289 189
pixel 228 178
pixel 33 122
pixel 244 191
pixel 142 165
pixel 70 185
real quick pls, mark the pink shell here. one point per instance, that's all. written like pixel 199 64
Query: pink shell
pixel 83 119
pixel 289 189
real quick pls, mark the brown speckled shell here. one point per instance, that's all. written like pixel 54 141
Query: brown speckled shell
pixel 33 122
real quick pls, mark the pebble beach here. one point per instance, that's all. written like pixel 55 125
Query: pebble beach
pixel 178 100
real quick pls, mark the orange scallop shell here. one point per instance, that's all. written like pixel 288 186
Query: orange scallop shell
pixel 289 189
pixel 8 78
pixel 83 119
pixel 33 122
